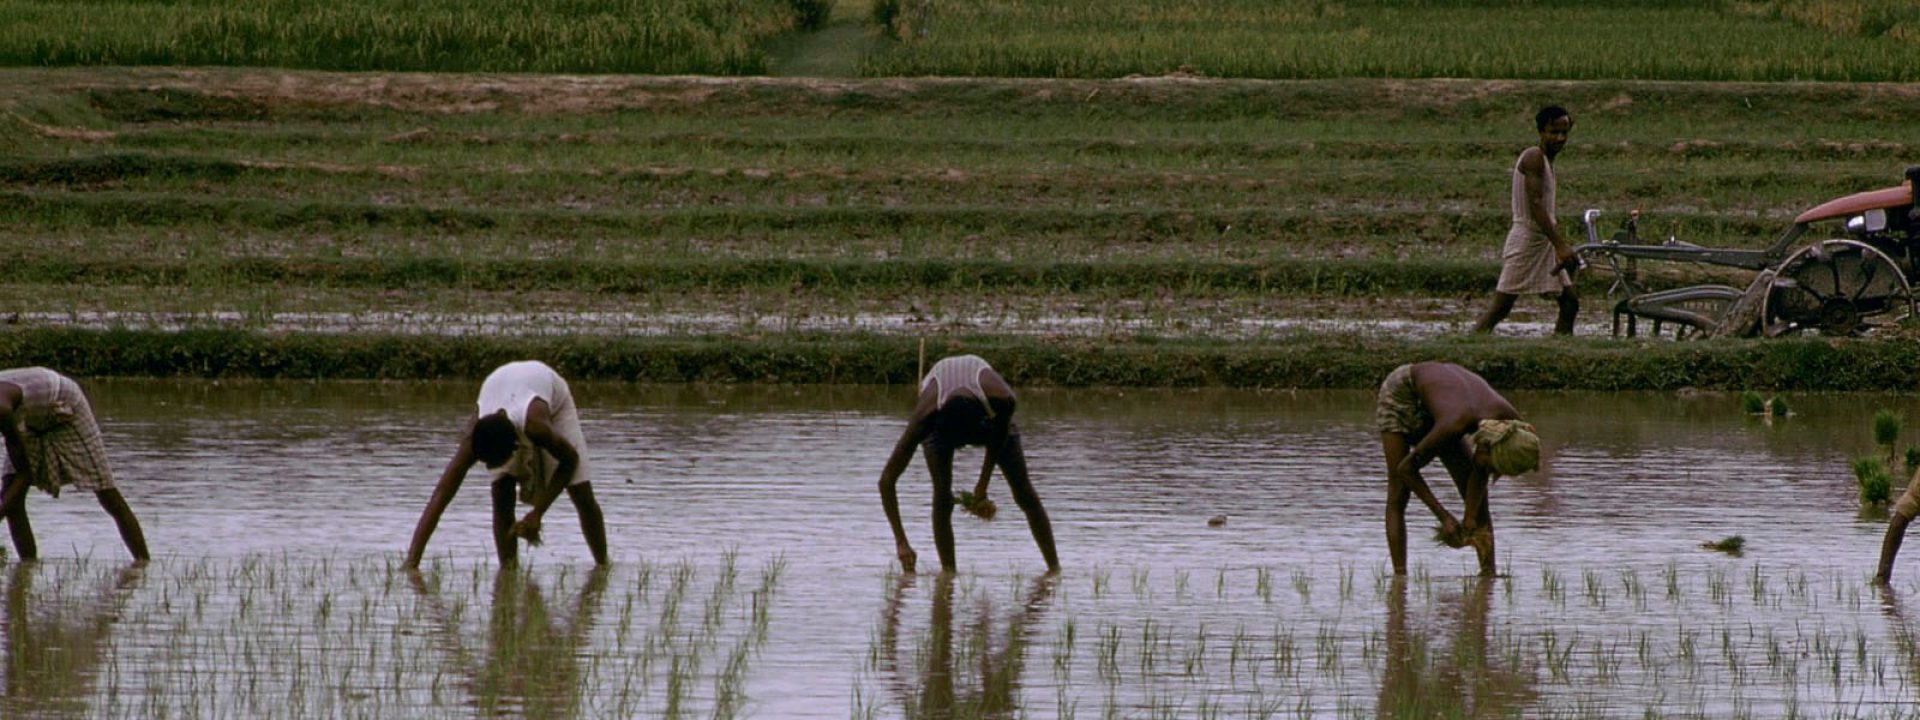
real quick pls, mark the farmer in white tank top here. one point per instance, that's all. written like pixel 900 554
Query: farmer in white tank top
pixel 526 431
pixel 1536 256
pixel 963 402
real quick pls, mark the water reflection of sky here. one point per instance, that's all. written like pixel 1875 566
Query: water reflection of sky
pixel 1633 484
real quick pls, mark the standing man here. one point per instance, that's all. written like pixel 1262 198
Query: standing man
pixel 962 402
pixel 1536 257
pixel 53 441
pixel 1440 410
pixel 527 433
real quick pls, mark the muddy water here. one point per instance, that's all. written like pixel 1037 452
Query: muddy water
pixel 264 500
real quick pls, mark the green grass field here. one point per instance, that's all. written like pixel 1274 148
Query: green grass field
pixel 1181 208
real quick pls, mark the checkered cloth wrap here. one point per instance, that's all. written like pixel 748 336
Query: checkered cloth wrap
pixel 60 438
pixel 1398 408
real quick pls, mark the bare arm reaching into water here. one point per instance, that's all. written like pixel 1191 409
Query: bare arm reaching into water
pixel 443 492
pixel 917 430
pixel 10 399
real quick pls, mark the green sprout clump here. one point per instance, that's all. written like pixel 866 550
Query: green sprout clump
pixel 1731 544
pixel 1876 485
pixel 1886 427
pixel 1779 405
pixel 1751 402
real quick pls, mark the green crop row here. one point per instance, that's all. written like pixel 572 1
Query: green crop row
pixel 1727 40
pixel 633 36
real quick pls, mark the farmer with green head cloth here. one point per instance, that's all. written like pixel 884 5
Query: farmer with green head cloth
pixel 1440 410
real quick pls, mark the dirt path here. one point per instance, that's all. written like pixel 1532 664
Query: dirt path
pixel 831 51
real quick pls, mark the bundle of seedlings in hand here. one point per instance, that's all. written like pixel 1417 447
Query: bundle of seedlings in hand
pixel 527 529
pixel 976 505
pixel 1454 536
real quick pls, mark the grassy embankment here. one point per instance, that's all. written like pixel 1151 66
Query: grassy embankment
pixel 1307 361
pixel 1153 215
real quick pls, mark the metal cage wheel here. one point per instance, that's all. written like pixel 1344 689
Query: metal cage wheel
pixel 1837 287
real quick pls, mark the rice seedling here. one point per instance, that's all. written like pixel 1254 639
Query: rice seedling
pixel 1595 588
pixel 1875 483
pixel 1718 589
pixel 329 636
pixel 1550 585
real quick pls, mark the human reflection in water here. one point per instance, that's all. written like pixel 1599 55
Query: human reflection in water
pixel 1903 638
pixel 1426 677
pixel 531 664
pixel 54 649
pixel 985 686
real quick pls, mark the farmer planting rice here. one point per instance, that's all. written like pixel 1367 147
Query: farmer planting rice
pixel 52 442
pixel 527 433
pixel 1440 410
pixel 963 402
pixel 1535 259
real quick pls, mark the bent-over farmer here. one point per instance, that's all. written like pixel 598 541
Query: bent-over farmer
pixel 53 442
pixel 1536 256
pixel 526 431
pixel 1440 410
pixel 962 402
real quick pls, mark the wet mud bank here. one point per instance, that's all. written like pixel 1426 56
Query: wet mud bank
pixel 1304 361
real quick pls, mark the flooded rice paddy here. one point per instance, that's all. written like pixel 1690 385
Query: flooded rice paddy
pixel 753 574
